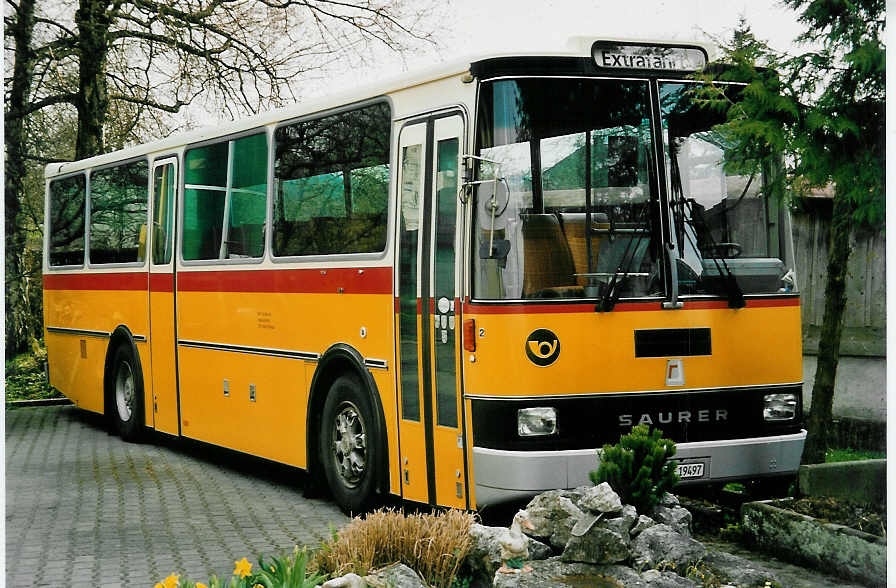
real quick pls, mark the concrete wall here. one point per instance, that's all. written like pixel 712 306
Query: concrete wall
pixel 860 391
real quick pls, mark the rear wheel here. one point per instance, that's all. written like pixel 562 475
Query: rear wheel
pixel 127 394
pixel 348 447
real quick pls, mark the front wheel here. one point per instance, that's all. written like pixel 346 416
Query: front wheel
pixel 127 394
pixel 348 447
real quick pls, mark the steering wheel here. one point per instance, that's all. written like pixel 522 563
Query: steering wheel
pixel 726 250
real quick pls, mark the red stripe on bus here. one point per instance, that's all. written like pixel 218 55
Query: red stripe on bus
pixel 113 281
pixel 368 280
pixel 583 307
pixel 161 282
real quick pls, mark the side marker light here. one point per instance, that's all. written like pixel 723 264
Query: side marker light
pixel 469 335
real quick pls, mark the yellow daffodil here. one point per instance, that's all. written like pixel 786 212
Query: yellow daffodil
pixel 200 585
pixel 169 582
pixel 243 568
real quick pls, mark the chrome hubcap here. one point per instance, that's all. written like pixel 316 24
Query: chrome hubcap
pixel 349 444
pixel 124 391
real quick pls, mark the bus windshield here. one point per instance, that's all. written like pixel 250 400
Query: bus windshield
pixel 573 204
pixel 723 223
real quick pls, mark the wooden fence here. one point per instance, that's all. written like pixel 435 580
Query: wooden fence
pixel 864 324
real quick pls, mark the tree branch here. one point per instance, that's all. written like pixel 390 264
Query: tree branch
pixel 53 23
pixel 48 101
pixel 172 108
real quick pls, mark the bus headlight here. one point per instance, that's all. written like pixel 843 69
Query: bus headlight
pixel 779 407
pixel 532 422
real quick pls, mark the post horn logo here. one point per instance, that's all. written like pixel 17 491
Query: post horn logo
pixel 542 347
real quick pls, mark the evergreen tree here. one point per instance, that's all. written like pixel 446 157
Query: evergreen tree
pixel 824 110
pixel 638 468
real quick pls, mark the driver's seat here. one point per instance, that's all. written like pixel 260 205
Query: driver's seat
pixel 547 259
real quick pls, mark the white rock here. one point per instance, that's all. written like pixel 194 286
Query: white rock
pixel 396 575
pixel 643 523
pixel 601 498
pixel 669 499
pixel 346 581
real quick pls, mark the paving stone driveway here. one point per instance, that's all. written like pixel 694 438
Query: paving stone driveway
pixel 84 508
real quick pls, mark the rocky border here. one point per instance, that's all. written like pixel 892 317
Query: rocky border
pixel 842 551
pixel 587 537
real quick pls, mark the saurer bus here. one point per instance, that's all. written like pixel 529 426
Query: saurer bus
pixel 453 288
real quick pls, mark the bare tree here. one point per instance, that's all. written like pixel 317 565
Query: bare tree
pixel 137 62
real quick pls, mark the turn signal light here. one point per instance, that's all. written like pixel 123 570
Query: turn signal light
pixel 469 335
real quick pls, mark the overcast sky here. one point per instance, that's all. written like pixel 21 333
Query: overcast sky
pixel 468 27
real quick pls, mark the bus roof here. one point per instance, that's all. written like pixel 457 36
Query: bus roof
pixel 576 47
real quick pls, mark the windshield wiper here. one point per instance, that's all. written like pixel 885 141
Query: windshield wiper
pixel 612 292
pixel 735 294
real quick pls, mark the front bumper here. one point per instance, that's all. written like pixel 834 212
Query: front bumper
pixel 502 475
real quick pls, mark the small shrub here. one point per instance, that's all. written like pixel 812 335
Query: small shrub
pixel 25 377
pixel 703 575
pixel 434 545
pixel 638 468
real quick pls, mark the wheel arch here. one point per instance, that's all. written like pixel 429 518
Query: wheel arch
pixel 339 359
pixel 120 336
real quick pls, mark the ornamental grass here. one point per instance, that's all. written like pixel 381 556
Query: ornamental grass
pixel 433 544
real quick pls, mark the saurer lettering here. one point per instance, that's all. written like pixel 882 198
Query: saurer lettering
pixel 682 416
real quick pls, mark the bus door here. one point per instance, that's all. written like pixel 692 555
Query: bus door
pixel 163 412
pixel 431 442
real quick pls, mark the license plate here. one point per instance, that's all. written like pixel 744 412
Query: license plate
pixel 690 470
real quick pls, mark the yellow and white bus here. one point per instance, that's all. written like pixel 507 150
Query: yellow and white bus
pixel 451 288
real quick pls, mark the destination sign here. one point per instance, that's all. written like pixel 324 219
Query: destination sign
pixel 649 57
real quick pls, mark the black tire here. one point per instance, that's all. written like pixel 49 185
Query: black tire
pixel 126 394
pixel 348 447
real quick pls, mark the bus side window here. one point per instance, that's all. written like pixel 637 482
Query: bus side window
pixel 248 197
pixel 68 198
pixel 163 210
pixel 331 178
pixel 225 195
pixel 118 213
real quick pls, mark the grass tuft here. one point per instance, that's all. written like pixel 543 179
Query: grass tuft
pixel 846 454
pixel 433 544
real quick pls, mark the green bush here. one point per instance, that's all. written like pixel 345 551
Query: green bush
pixel 638 468
pixel 25 376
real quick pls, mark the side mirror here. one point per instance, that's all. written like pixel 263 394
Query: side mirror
pixel 489 170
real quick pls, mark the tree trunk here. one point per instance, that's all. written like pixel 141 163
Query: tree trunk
pixel 19 324
pixel 93 18
pixel 821 411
